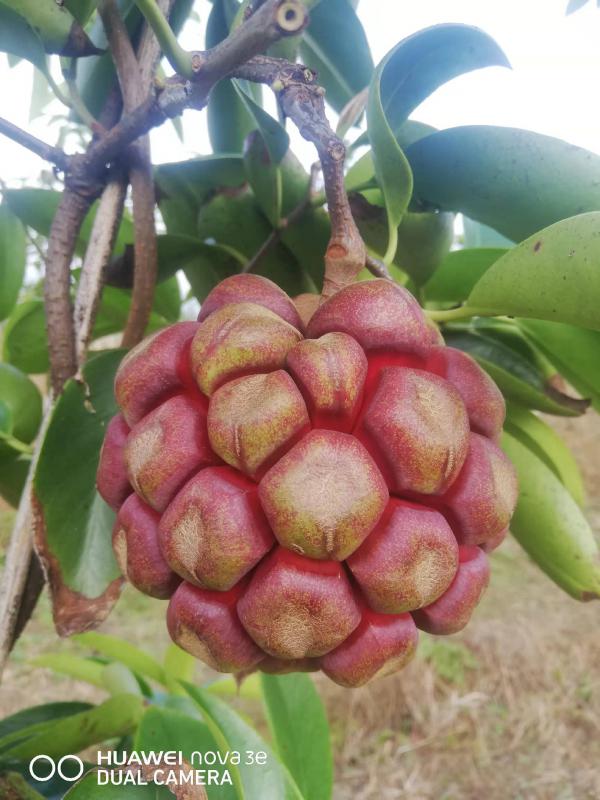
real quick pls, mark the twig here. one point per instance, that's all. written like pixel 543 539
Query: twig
pixel 377 268
pixel 178 58
pixel 21 563
pixel 97 256
pixel 52 154
pixel 294 215
pixel 301 99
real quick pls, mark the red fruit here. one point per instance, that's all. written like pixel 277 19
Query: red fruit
pixel 166 448
pixel 417 429
pixel 138 554
pixel 325 496
pixel 381 645
pixel 308 494
pixel 298 608
pixel 484 495
pixel 482 398
pixel 111 479
pixel 451 612
pixel 205 624
pixel 215 530
pixel 255 289
pixel 408 561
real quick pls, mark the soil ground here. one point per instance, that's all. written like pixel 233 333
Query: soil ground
pixel 507 710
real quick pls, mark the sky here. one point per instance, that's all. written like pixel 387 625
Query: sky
pixel 552 87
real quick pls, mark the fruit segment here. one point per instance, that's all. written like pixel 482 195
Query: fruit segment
pixel 253 420
pixel 166 448
pixel 214 531
pixel 324 497
pixel 408 561
pixel 137 550
pixel 451 612
pixel 239 339
pixel 330 372
pixel 417 429
pixel 111 480
pixel 298 608
pixel 381 645
pixel 206 624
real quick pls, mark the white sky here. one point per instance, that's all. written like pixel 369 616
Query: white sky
pixel 553 87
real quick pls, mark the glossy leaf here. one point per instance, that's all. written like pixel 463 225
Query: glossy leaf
pixel 343 60
pixel 14 467
pixel 459 272
pixel 553 275
pixel 300 731
pixel 82 10
pixel 518 377
pixel 24 401
pixel 232 733
pixel 547 445
pixel 23 721
pixel 88 788
pixel 20 39
pixel 550 526
pixel 75 667
pixel 211 264
pixel 264 176
pixel 12 259
pixel 117 649
pixel 24 338
pixel 515 181
pixel 73 524
pixel 392 170
pixel 478 235
pixel 422 62
pixel 575 352
pixel 115 717
pixel 163 729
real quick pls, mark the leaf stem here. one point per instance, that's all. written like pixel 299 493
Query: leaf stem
pixel 178 58
pixel 452 314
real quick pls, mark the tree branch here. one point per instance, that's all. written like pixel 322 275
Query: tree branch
pixel 178 58
pixel 301 99
pixel 97 257
pixel 53 154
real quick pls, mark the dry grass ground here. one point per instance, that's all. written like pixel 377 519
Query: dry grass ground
pixel 508 710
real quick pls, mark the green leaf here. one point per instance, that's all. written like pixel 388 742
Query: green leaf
pixel 73 524
pixel 300 731
pixel 518 377
pixel 478 235
pixel 550 526
pixel 82 10
pixel 14 785
pixel 547 445
pixel 421 63
pixel 166 729
pixel 38 715
pixel 36 208
pixel 575 352
pixel 232 733
pixel 119 650
pixel 210 266
pixel 24 401
pixel 75 667
pixel 342 59
pixel 14 468
pixel 167 299
pixel 515 181
pixel 553 275
pixel 12 259
pixel 392 170
pixel 25 345
pixel 88 788
pixel 264 176
pixel 19 39
pixel 115 717
pixel 459 272
pixel 178 664
pixel 235 221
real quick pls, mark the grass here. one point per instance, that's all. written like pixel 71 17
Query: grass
pixel 507 710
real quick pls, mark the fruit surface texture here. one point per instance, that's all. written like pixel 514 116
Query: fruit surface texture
pixel 306 490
